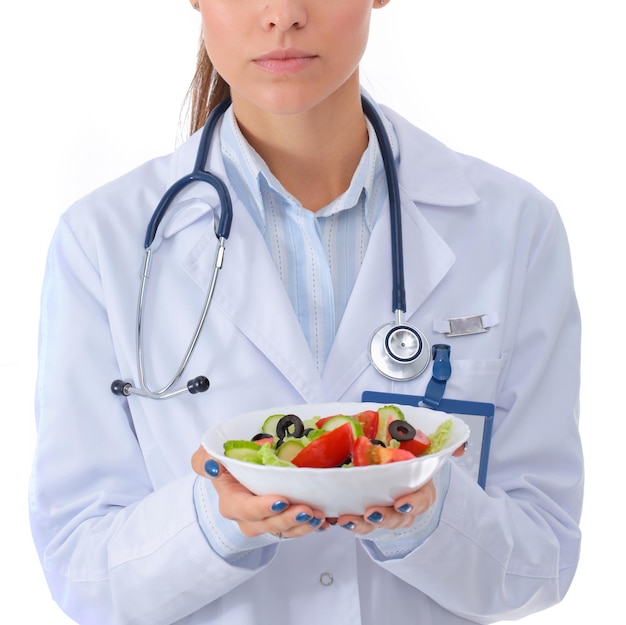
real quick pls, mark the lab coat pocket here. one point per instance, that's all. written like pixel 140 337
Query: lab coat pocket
pixel 474 380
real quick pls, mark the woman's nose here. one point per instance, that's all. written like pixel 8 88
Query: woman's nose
pixel 284 14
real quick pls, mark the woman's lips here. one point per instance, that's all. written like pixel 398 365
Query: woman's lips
pixel 284 61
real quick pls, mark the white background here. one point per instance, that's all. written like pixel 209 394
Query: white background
pixel 91 89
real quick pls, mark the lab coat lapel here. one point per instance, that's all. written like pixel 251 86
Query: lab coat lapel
pixel 427 259
pixel 251 294
pixel 249 290
pixel 432 175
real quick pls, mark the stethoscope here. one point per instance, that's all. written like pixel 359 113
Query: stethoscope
pixel 397 350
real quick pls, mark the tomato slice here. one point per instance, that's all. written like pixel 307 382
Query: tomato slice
pixel 417 445
pixel 365 452
pixel 369 420
pixel 328 450
pixel 359 451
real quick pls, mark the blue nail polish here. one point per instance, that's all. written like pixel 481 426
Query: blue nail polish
pixel 407 507
pixel 349 525
pixel 315 522
pixel 303 517
pixel 375 517
pixel 279 506
pixel 212 468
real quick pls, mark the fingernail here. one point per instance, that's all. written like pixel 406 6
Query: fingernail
pixel 407 507
pixel 303 517
pixel 349 525
pixel 279 506
pixel 375 517
pixel 212 468
pixel 315 522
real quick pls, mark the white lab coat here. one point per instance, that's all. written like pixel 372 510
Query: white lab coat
pixel 111 501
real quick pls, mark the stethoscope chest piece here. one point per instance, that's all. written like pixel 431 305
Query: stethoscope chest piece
pixel 399 351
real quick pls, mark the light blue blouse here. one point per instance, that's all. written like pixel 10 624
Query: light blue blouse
pixel 317 254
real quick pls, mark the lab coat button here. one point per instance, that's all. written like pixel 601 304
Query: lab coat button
pixel 326 579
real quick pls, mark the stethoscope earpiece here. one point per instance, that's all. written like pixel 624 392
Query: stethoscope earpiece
pixel 198 385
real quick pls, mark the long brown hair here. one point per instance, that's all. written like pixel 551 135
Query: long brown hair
pixel 206 91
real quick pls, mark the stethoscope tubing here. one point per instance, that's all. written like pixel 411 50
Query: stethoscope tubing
pixel 381 353
pixel 164 393
pixel 222 231
pixel 393 190
pixel 199 174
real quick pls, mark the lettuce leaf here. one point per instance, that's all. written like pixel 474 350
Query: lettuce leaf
pixel 440 437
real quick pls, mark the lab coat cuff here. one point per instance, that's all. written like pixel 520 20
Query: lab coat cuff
pixel 385 544
pixel 224 535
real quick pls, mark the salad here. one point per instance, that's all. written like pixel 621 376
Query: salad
pixel 369 437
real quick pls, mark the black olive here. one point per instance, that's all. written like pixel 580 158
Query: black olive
pixel 260 436
pixel 307 431
pixel 290 425
pixel 401 430
pixel 375 441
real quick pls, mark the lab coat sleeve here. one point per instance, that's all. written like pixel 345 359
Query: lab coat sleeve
pixel 392 544
pixel 224 535
pixel 114 550
pixel 513 549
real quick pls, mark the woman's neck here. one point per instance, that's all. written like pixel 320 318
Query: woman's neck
pixel 313 154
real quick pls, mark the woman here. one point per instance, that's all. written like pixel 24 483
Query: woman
pixel 127 533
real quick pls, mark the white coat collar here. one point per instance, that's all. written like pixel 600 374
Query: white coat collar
pixel 429 173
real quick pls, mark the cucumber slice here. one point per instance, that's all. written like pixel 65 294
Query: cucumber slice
pixel 339 420
pixel 310 422
pixel 243 450
pixel 315 433
pixel 290 449
pixel 269 425
pixel 391 411
pixel 387 414
pixel 268 457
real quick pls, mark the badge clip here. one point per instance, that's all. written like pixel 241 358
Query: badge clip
pixel 460 326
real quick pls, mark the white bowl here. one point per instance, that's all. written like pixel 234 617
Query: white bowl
pixel 335 491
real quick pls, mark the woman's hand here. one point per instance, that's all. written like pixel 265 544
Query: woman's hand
pixel 254 514
pixel 401 514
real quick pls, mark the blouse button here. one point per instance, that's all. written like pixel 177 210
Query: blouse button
pixel 326 578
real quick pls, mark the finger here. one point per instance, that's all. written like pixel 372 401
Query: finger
pixel 374 518
pixel 199 464
pixel 459 451
pixel 402 514
pixel 299 521
pixel 417 502
pixel 355 524
pixel 233 495
pixel 255 514
pixel 296 521
pixel 237 503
